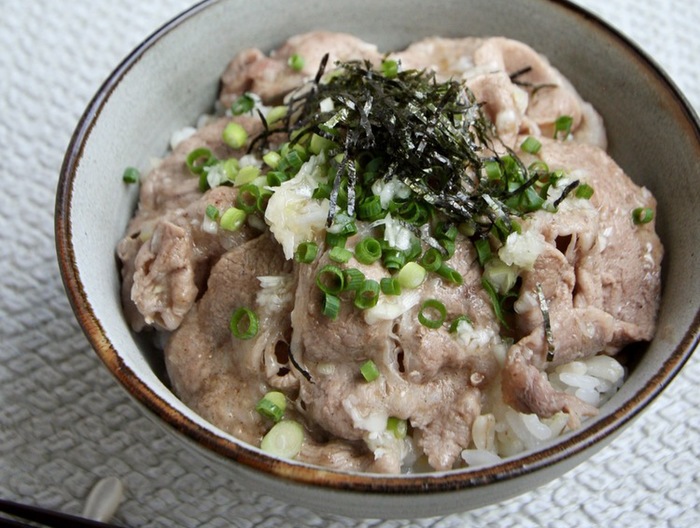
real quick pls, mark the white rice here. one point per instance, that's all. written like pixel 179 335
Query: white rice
pixel 504 432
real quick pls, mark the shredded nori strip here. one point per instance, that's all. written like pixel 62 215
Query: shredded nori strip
pixel 544 308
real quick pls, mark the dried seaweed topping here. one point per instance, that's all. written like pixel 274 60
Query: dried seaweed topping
pixel 432 136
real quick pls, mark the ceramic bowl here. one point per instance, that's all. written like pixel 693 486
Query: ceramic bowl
pixel 172 78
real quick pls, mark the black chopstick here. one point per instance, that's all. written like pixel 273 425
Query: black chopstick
pixel 47 517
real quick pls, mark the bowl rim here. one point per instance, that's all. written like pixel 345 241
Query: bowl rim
pixel 307 474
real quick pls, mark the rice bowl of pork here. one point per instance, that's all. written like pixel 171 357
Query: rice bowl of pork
pixel 172 79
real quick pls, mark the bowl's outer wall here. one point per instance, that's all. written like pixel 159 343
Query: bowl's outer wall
pixel 172 79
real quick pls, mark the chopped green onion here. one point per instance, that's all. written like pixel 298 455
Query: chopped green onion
pixel 248 198
pixel 246 175
pixel 319 144
pixel 275 178
pixel 563 125
pixel 370 208
pixel 446 230
pixel 411 275
pixel 493 170
pixel 454 327
pixel 436 309
pixel 198 159
pixel 367 294
pixel 244 103
pixel 390 68
pixel 232 219
pixel 284 439
pixel 450 274
pixel 272 405
pixel 272 159
pixel 584 191
pixel 483 250
pixel 230 168
pixel 431 260
pixel 642 215
pixel 393 259
pixel 335 239
pixel 397 426
pixel 131 175
pixel 211 212
pixel 330 279
pixel 331 306
pixel 495 302
pixel 369 370
pixel 340 255
pixel 234 135
pixel 244 323
pixel 449 247
pixel 295 159
pixel 276 113
pixel 296 62
pixel 354 279
pixel 531 145
pixel 262 199
pixel 306 252
pixel 368 250
pixel 390 286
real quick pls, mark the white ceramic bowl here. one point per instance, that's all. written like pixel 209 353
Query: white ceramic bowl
pixel 172 78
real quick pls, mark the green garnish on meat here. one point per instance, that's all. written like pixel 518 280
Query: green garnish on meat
pixel 432 136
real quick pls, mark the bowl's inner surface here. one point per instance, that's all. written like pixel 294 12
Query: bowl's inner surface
pixel 173 79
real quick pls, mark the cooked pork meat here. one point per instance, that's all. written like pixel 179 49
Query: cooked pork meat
pixel 588 277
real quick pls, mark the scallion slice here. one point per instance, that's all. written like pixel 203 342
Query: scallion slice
pixel 390 68
pixel 285 439
pixel 198 159
pixel 272 159
pixel 642 215
pixel 272 405
pixel 244 103
pixel 296 62
pixel 367 294
pixel 369 370
pixel 211 212
pixel 354 278
pixel 483 250
pixel 411 275
pixel 454 326
pixel 393 259
pixel 306 252
pixel 562 126
pixel 368 250
pixel 131 175
pixel 232 219
pixel 234 135
pixel 431 260
pixel 331 306
pixel 531 145
pixel 432 314
pixel 244 323
pixel 450 274
pixel 390 286
pixel 340 255
pixel 584 191
pixel 247 198
pixel 397 426
pixel 330 279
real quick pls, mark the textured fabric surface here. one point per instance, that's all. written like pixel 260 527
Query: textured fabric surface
pixel 64 423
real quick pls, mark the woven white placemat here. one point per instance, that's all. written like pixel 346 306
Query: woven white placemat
pixel 64 423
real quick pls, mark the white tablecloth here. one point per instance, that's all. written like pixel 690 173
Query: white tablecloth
pixel 64 422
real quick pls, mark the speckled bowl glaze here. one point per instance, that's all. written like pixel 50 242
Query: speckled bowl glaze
pixel 172 78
